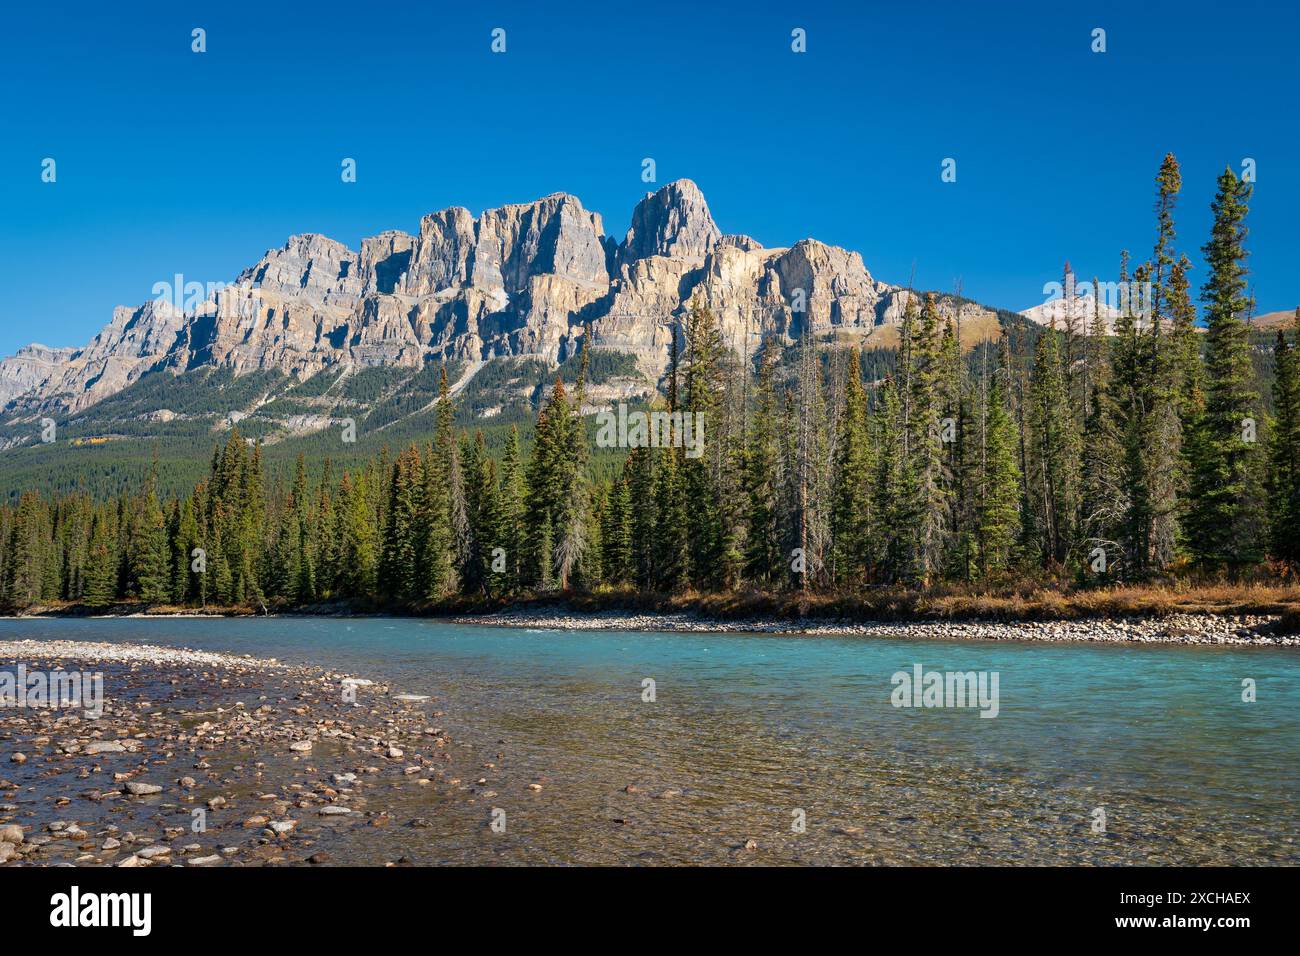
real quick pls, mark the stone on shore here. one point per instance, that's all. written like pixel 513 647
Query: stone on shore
pixel 103 747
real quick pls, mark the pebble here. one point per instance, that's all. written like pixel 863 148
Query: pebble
pixel 142 789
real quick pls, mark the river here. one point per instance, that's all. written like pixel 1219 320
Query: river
pixel 793 743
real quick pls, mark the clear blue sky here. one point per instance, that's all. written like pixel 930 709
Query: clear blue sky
pixel 171 161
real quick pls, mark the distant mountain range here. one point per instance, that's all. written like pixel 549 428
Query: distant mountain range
pixel 519 280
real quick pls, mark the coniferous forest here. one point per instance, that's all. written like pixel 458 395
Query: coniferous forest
pixel 1100 455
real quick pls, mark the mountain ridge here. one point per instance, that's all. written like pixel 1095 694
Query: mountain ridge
pixel 521 279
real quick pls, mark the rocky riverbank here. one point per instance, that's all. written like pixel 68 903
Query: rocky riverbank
pixel 205 759
pixel 1171 629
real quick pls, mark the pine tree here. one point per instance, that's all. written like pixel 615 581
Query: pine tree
pixel 1055 449
pixel 481 511
pixel 851 508
pixel 616 530
pixel 434 547
pixel 450 476
pixel 927 433
pixel 302 587
pixel 1225 508
pixel 997 491
pixel 546 487
pixel 398 576
pixel 186 539
pixel 760 479
pixel 894 491
pixel 1284 452
pixel 670 541
pixel 147 550
pixel 324 546
pixel 511 510
pixel 572 517
pixel 642 482
pixel 699 475
pixel 1164 389
pixel 359 555
pixel 101 565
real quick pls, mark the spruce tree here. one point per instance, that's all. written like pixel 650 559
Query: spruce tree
pixel 101 564
pixel 762 537
pixel 1055 449
pixel 148 553
pixel 851 513
pixel 997 493
pixel 511 508
pixel 1225 520
pixel 1284 452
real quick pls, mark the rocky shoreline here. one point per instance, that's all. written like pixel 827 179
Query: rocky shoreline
pixel 205 759
pixel 1236 629
pixel 1184 627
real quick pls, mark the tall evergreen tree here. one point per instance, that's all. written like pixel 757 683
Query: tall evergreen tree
pixel 101 573
pixel 1225 518
pixel 851 511
pixel 1284 452
pixel 1055 450
pixel 997 493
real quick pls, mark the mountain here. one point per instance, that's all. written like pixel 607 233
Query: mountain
pixel 517 281
pixel 1272 321
pixel 1081 309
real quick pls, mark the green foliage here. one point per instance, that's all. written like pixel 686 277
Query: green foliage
pixel 1225 518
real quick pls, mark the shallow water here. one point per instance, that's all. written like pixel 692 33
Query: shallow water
pixel 747 729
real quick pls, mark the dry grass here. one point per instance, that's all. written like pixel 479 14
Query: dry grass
pixel 1019 601
pixel 954 603
pixel 974 330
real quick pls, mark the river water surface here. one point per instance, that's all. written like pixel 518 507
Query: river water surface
pixel 749 734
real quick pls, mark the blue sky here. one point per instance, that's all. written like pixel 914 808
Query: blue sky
pixel 170 161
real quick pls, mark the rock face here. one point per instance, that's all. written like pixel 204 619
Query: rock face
pixel 135 342
pixel 673 222
pixel 523 279
pixel 30 367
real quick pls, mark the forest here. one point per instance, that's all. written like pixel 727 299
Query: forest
pixel 1098 456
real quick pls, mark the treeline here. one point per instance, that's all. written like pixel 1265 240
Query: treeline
pixel 1105 455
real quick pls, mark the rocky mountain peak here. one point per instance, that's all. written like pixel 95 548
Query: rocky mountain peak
pixel 523 279
pixel 673 222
